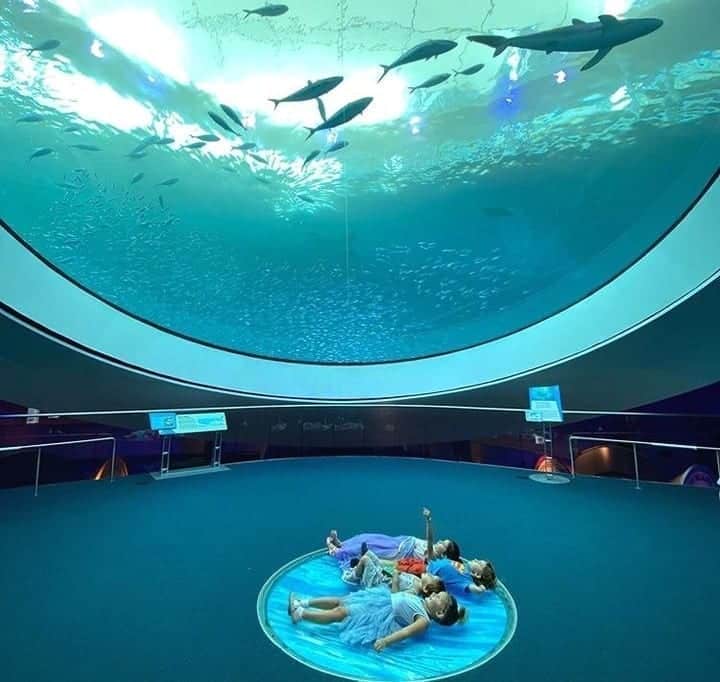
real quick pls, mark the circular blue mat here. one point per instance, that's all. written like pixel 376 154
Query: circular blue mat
pixel 442 652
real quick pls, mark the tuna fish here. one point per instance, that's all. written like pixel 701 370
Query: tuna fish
pixel 313 90
pixel 245 146
pixel 30 118
pixel 46 46
pixel 232 115
pixel 312 155
pixel 43 151
pixel 343 116
pixel 470 70
pixel 221 122
pixel 86 147
pixel 423 51
pixel 337 147
pixel 431 82
pixel 267 11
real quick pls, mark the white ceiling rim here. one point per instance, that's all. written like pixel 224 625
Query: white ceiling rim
pixel 686 260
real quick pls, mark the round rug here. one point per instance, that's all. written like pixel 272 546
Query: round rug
pixel 440 653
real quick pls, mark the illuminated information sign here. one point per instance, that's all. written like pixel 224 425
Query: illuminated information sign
pixel 545 404
pixel 170 423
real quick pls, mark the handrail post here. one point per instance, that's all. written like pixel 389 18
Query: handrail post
pixel 717 461
pixel 637 473
pixel 112 465
pixel 165 456
pixel 547 436
pixel 37 471
pixel 572 457
pixel 217 450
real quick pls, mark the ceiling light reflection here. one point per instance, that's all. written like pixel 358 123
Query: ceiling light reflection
pixel 142 34
pixel 96 49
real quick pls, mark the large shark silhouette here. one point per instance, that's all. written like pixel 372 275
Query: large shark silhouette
pixel 581 36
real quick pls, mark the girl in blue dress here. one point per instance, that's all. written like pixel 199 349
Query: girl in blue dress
pixel 377 615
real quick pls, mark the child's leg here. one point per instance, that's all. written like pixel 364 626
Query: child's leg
pixel 369 558
pixel 324 617
pixel 325 609
pixel 325 603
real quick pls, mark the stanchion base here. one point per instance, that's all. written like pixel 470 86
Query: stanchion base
pixel 553 479
pixel 192 471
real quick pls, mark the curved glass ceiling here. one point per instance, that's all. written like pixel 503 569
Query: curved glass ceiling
pixel 460 212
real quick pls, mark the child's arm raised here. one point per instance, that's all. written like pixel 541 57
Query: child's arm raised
pixel 430 555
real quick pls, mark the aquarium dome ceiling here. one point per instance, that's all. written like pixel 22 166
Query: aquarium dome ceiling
pixel 249 182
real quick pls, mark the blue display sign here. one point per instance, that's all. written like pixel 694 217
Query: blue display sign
pixel 545 404
pixel 163 421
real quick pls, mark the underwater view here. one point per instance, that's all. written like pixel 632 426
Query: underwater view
pixel 347 181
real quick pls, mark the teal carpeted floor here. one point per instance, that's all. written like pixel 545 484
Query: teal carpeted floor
pixel 157 581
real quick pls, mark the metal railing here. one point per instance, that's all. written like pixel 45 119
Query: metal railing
pixel 348 405
pixel 40 447
pixel 635 443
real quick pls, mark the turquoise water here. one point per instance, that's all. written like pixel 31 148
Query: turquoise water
pixel 455 215
pixel 441 652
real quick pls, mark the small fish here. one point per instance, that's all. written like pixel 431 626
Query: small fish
pixel 161 201
pixel 221 122
pixel 147 142
pixel 45 47
pixel 431 82
pixel 305 198
pixel 228 169
pixel 312 155
pixel 165 140
pixel 137 155
pixel 42 151
pixel 195 145
pixel 87 147
pixel 136 178
pixel 207 137
pixel 68 186
pixel 73 128
pixel 257 158
pixel 470 70
pixel 267 11
pixel 341 144
pixel 232 115
pixel 30 118
pixel 245 146
pixel 169 183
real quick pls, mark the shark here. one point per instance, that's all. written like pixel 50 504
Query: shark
pixel 344 115
pixel 424 51
pixel 580 36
